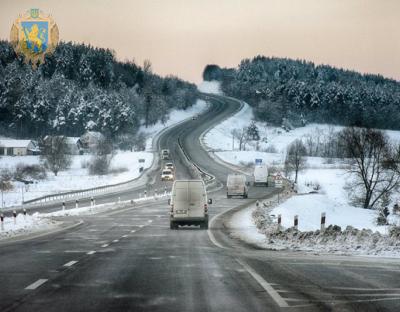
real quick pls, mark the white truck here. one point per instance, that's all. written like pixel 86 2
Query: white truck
pixel 260 175
pixel 189 204
pixel 236 186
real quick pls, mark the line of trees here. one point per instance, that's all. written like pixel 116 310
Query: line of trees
pixel 81 88
pixel 280 88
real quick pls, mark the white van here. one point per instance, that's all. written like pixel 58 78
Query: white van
pixel 260 175
pixel 188 204
pixel 236 186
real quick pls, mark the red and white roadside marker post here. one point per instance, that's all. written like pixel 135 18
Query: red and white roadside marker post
pixel 2 222
pixel 296 222
pixel 323 220
pixel 91 202
pixel 15 217
pixel 24 212
pixel 279 222
pixel 76 203
pixel 165 190
pixel 145 194
pixel 63 206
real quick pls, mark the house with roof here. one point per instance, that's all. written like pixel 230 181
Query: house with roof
pixel 90 140
pixel 10 147
pixel 74 145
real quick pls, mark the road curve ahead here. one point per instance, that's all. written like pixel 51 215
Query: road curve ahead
pixel 129 260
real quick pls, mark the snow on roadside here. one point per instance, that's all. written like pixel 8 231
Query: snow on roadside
pixel 42 222
pixel 175 117
pixel 351 241
pixel 26 225
pixel 213 87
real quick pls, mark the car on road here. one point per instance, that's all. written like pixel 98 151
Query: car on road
pixel 236 186
pixel 169 166
pixel 165 154
pixel 189 204
pixel 167 175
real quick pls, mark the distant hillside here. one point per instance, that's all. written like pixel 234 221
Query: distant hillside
pixel 81 88
pixel 283 88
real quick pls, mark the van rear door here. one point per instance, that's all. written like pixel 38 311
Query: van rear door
pixel 196 199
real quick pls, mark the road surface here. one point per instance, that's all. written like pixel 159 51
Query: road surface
pixel 129 260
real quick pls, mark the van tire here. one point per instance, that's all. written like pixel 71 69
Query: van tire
pixel 204 225
pixel 228 196
pixel 173 225
pixel 245 196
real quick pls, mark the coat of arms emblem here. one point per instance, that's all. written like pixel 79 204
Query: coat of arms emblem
pixel 34 35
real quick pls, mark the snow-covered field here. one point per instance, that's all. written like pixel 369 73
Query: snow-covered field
pixel 333 197
pixel 77 177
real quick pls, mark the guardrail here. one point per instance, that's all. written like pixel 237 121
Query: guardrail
pixel 205 176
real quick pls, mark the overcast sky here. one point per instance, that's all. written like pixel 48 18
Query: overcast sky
pixel 180 37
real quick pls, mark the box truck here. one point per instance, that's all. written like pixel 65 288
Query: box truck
pixel 260 175
pixel 236 186
pixel 189 204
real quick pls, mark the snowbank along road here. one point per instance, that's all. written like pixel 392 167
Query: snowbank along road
pixel 129 260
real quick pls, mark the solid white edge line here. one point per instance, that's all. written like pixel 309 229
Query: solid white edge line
pixel 264 284
pixel 211 235
pixel 36 284
pixel 71 263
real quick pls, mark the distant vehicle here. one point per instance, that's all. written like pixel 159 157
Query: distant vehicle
pixel 165 154
pixel 260 175
pixel 169 166
pixel 194 117
pixel 167 175
pixel 236 186
pixel 189 204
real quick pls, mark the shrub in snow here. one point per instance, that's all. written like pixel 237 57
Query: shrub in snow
pixel 99 165
pixel 34 172
pixel 5 180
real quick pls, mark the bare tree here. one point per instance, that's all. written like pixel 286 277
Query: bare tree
pixel 241 136
pixel 55 153
pixel 376 163
pixel 295 158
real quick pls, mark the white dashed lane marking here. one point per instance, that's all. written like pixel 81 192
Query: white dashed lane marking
pixel 71 263
pixel 105 245
pixel 91 252
pixel 115 241
pixel 36 284
pixel 124 236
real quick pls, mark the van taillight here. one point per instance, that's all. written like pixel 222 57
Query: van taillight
pixel 205 208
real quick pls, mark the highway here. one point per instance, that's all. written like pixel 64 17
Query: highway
pixel 129 260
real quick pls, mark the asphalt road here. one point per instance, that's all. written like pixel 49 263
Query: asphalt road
pixel 129 259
